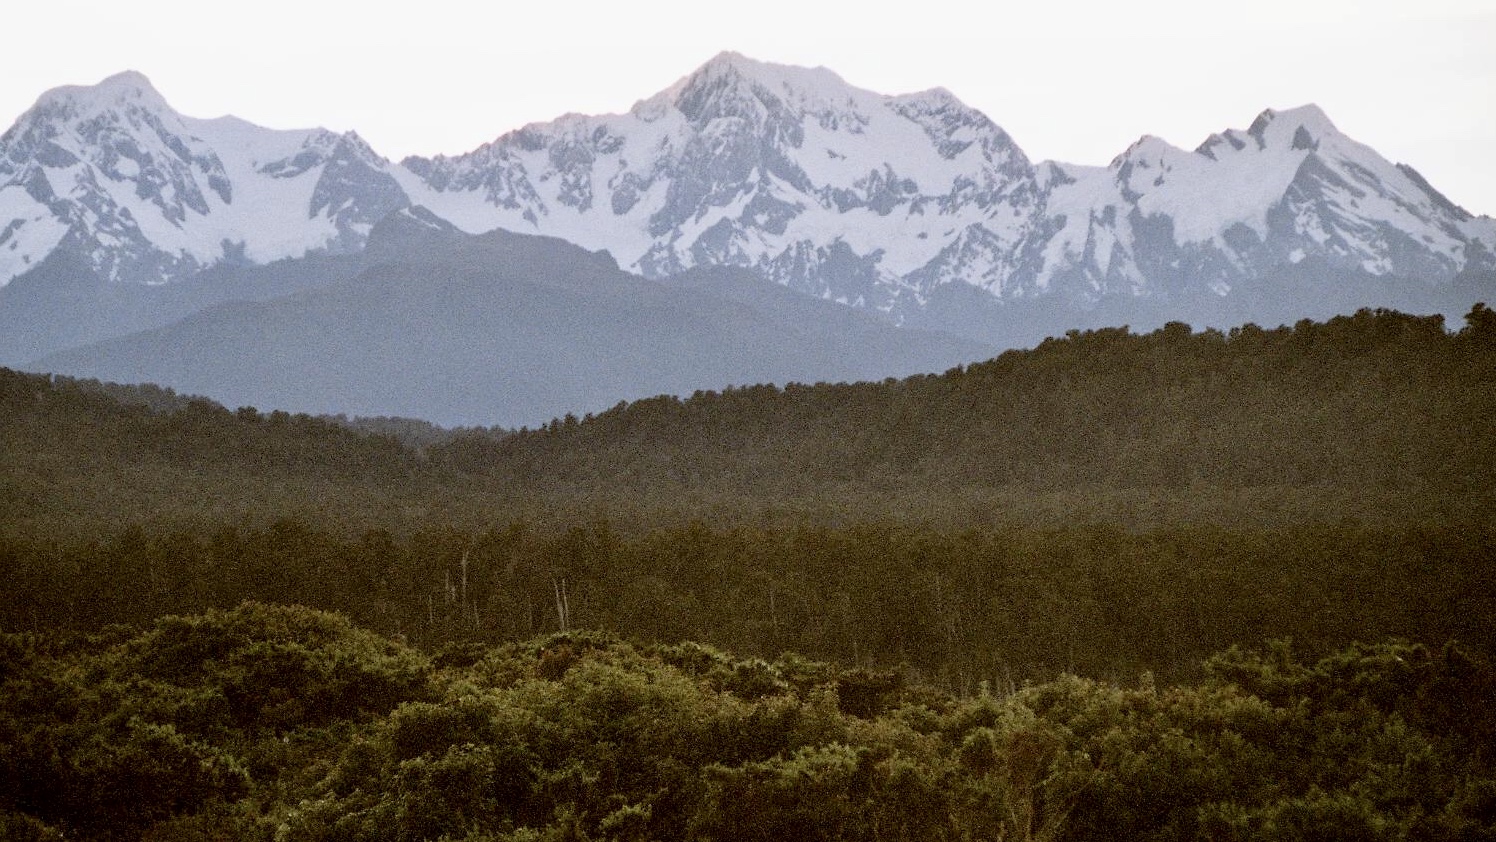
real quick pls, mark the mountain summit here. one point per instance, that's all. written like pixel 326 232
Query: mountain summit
pixel 792 172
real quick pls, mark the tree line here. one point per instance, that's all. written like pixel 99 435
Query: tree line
pixel 956 609
pixel 1379 409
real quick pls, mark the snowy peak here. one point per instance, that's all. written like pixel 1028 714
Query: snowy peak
pixel 955 127
pixel 107 170
pixel 732 85
pixel 1237 177
pixel 1148 161
pixel 122 90
pixel 121 116
pixel 1147 147
pixel 1290 188
pixel 1298 129
pixel 112 174
pixel 879 200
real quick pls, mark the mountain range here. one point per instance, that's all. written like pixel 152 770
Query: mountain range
pixel 119 215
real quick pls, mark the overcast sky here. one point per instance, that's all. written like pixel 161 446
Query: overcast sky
pixel 1074 82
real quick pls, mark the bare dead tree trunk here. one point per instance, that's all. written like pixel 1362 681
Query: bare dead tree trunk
pixel 563 605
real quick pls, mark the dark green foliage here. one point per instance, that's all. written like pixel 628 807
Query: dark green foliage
pixel 116 784
pixel 80 457
pixel 18 827
pixel 105 736
pixel 834 792
pixel 1337 749
pixel 653 742
pixel 279 667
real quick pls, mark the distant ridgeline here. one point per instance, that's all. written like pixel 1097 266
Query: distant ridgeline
pixel 1107 503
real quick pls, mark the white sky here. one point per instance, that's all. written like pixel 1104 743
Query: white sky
pixel 1071 81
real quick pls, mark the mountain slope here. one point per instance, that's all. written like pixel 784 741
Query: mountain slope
pixel 1379 416
pixel 504 329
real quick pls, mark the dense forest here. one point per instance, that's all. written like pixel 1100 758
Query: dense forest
pixel 531 626
pixel 1107 503
pixel 999 605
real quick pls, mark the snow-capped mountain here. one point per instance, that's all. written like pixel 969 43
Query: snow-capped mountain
pixel 916 205
pixel 1290 189
pixel 112 175
pixel 818 185
pixel 882 200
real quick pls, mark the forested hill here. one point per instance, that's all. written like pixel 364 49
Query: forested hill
pixel 79 457
pixel 1374 414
